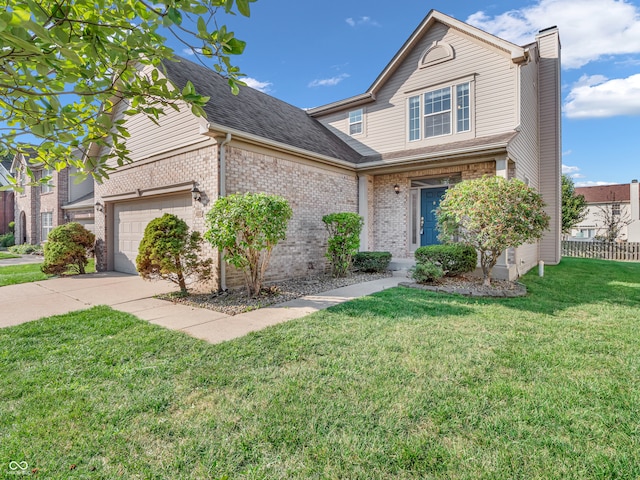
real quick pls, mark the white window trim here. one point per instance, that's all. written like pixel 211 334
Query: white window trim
pixel 361 122
pixel 48 187
pixel 470 79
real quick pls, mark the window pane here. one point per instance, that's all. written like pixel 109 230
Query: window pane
pixel 463 110
pixel 355 122
pixel 435 125
pixel 414 118
pixel 437 101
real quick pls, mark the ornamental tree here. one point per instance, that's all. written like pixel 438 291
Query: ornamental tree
pixel 492 214
pixel 246 228
pixel 67 247
pixel 169 251
pixel 574 207
pixel 65 66
pixel 344 240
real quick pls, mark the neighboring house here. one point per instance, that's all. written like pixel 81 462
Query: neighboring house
pixel 617 204
pixel 6 198
pixel 455 103
pixel 38 209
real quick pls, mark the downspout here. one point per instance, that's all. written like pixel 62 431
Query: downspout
pixel 222 192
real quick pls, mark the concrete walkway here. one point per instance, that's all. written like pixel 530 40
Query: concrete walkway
pixel 129 293
pixel 22 260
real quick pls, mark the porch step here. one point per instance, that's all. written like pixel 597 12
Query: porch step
pixel 400 266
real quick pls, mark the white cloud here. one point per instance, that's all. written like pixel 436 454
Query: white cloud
pixel 589 29
pixel 592 184
pixel 328 82
pixel 257 84
pixel 566 153
pixel 567 170
pixel 597 97
pixel 361 21
pixel 188 51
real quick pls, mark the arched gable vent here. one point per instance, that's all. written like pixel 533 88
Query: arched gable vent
pixel 437 53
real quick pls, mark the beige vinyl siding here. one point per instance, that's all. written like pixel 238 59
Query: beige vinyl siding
pixel 549 124
pixel 175 130
pixel 493 90
pixel 523 150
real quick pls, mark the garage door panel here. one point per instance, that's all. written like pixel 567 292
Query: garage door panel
pixel 131 218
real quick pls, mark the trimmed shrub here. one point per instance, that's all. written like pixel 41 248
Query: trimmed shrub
pixel 371 261
pixel 453 258
pixel 67 246
pixel 26 249
pixel 170 252
pixel 344 240
pixel 12 227
pixel 247 228
pixel 426 272
pixel 7 240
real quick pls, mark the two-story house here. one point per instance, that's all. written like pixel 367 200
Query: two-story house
pixel 614 208
pixel 40 208
pixel 454 103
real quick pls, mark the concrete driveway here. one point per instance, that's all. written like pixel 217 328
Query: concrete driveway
pixel 129 293
pixel 31 301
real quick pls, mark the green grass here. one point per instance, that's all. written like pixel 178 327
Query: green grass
pixel 15 274
pixel 5 255
pixel 404 384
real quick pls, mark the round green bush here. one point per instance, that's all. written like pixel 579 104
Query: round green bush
pixel 426 272
pixel 453 258
pixel 67 246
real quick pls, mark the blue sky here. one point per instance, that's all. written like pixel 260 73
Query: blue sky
pixel 311 53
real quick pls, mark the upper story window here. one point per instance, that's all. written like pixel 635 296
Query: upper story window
pixel 48 187
pixel 615 209
pixel 355 122
pixel 440 112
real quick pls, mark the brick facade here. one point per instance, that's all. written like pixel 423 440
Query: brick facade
pixel 390 225
pixel 154 178
pixel 312 191
pixel 7 212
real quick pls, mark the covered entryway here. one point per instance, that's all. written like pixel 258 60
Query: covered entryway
pixel 131 218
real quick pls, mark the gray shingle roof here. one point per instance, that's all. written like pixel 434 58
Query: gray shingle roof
pixel 257 113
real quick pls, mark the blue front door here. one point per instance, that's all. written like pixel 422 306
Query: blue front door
pixel 429 202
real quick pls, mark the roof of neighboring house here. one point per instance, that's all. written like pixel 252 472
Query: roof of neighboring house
pixel 605 193
pixel 257 113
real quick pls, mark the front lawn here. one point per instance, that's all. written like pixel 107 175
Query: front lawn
pixel 402 384
pixel 5 255
pixel 15 274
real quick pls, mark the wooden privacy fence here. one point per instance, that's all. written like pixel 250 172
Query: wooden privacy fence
pixel 604 250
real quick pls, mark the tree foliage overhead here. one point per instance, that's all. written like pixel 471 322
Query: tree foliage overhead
pixel 492 214
pixel 64 66
pixel 574 206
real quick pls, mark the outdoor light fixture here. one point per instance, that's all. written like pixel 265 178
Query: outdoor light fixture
pixel 99 207
pixel 396 188
pixel 195 194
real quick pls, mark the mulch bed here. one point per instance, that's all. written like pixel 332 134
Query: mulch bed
pixel 237 301
pixel 472 287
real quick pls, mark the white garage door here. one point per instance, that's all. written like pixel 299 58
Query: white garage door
pixel 130 220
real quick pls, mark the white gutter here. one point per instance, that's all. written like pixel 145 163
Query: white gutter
pixel 222 192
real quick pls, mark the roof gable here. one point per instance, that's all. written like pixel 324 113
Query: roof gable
pixel 257 113
pixel 515 52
